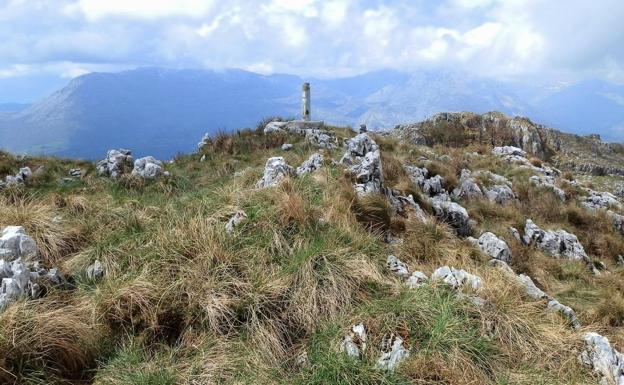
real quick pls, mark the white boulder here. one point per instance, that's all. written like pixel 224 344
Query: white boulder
pixel 275 170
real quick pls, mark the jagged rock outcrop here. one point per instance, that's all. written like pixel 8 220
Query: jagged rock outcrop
pixel 493 246
pixel 491 127
pixel 468 187
pixel 557 243
pixel 392 352
pixel 15 243
pixel 148 168
pixel 457 278
pixel 313 131
pixel 20 281
pixel 275 170
pixel 235 220
pixel 603 359
pixel 313 163
pixel 501 194
pixel 453 214
pixel 116 163
pixel 354 343
pixel 363 155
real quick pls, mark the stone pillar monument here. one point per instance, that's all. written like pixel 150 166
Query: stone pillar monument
pixel 305 101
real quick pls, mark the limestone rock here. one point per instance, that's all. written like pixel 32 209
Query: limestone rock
pixel 75 173
pixel 559 243
pixel 397 266
pixel 501 194
pixel 115 164
pixel 417 174
pixel 235 220
pixel 600 200
pixel 313 131
pixel 549 183
pixel 204 142
pixel 95 270
pixel 392 352
pixel 530 289
pixel 404 206
pixel 468 187
pixel 354 343
pixel 313 163
pixel 18 281
pixel 603 359
pixel 456 278
pixel 15 243
pixel 147 168
pixel 433 186
pixel 287 146
pixel 368 174
pixel 453 214
pixel 566 311
pixel 494 247
pixel 357 148
pixel 275 171
pixel 509 151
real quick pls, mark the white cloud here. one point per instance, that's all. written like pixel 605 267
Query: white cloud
pixel 147 9
pixel 318 37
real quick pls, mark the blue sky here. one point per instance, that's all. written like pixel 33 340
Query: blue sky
pixel 48 41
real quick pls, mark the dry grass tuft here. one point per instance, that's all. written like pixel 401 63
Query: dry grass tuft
pixel 59 338
pixel 374 212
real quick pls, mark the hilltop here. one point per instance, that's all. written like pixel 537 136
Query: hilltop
pixel 464 249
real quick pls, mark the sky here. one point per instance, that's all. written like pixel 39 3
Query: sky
pixel 44 42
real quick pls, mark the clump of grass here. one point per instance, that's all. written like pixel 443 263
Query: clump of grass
pixel 54 338
pixel 374 212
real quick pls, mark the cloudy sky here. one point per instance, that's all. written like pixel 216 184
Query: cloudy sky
pixel 60 39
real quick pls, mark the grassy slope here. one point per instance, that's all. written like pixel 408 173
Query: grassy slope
pixel 185 303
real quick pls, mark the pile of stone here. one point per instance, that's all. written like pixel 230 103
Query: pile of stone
pixel 148 168
pixel 116 163
pixel 468 188
pixel 596 200
pixel 364 159
pixel 429 185
pixel 536 293
pixel 276 170
pixel 313 131
pixel 19 274
pixel 18 179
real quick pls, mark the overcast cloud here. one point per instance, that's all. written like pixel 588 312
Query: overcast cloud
pixel 506 39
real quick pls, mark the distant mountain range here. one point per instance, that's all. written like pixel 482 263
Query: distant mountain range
pixel 162 112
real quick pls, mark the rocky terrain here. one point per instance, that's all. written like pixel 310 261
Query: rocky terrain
pixel 465 249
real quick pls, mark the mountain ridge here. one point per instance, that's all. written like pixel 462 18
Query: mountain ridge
pixel 163 111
